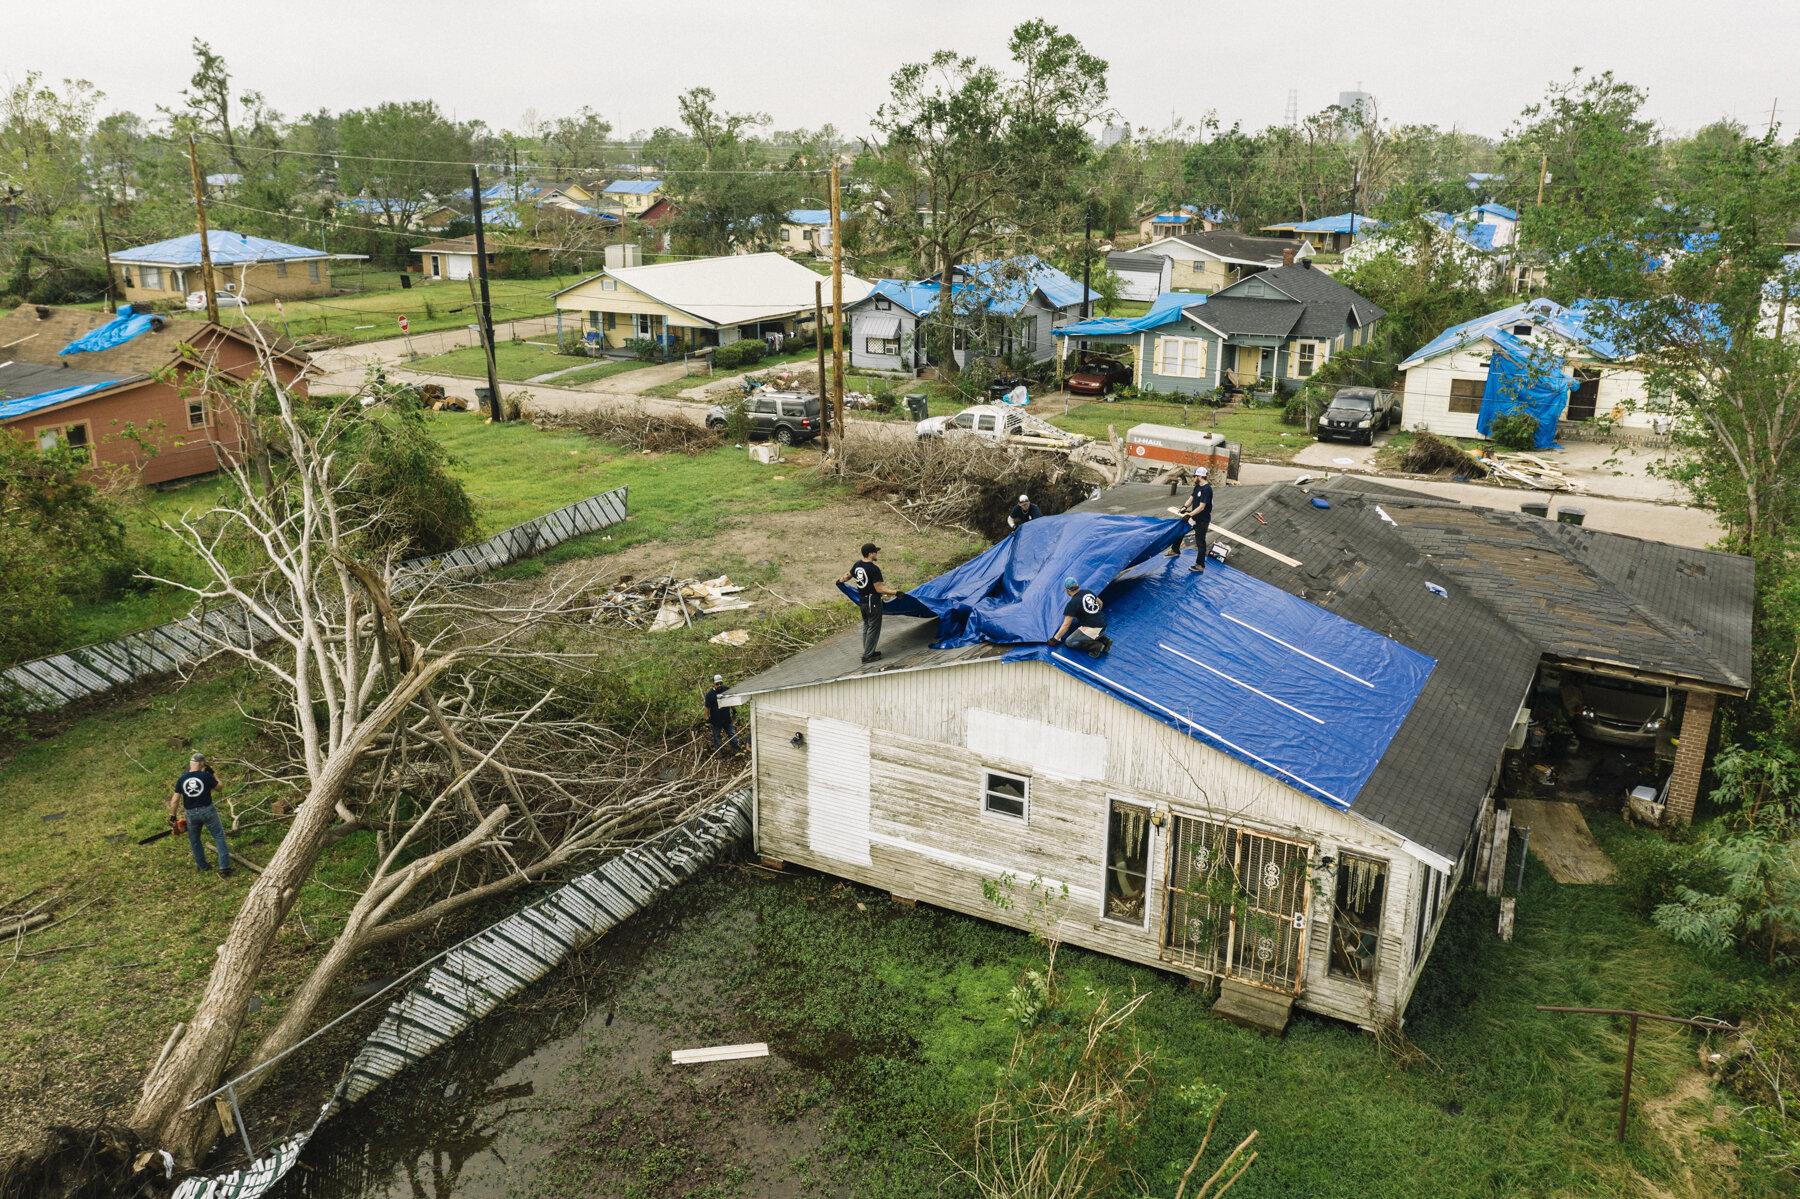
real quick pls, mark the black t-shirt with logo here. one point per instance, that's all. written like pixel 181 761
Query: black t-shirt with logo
pixel 1024 512
pixel 196 788
pixel 1202 495
pixel 714 713
pixel 1087 610
pixel 864 576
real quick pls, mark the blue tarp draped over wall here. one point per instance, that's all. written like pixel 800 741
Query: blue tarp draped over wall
pixel 1515 384
pixel 1302 695
pixel 116 332
pixel 11 406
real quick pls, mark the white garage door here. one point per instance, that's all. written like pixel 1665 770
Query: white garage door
pixel 837 790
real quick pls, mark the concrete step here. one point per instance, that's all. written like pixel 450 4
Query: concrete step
pixel 1250 1006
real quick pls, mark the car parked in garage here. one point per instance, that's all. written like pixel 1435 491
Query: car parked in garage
pixel 1618 711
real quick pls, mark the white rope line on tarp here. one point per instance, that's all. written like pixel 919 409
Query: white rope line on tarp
pixel 497 963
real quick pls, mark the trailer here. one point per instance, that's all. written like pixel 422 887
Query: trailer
pixel 1156 451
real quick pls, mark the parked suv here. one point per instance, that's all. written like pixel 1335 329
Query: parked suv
pixel 787 416
pixel 1617 711
pixel 1357 414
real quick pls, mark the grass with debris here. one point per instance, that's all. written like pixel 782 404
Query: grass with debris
pixel 1259 430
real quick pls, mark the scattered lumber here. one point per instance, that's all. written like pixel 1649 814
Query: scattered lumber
pixel 718 1053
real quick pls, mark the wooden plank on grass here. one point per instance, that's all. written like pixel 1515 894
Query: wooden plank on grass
pixel 718 1053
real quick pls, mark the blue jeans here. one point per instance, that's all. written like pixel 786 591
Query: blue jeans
pixel 726 731
pixel 207 817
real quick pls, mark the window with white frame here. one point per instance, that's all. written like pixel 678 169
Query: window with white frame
pixel 609 285
pixel 1306 358
pixel 881 345
pixel 1465 394
pixel 1181 357
pixel 1005 794
pixel 1127 863
pixel 150 278
pixel 196 409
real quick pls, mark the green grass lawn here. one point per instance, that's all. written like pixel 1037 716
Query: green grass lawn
pixel 903 1009
pixel 1259 430
pixel 429 306
pixel 519 361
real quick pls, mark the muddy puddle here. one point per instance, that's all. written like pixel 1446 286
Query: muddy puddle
pixel 570 1092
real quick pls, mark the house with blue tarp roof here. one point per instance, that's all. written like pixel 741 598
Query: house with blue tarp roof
pixel 1274 328
pixel 806 230
pixel 255 269
pixel 1328 233
pixel 1566 353
pixel 1004 306
pixel 1183 218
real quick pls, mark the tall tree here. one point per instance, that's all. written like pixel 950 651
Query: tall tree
pixel 728 186
pixel 42 135
pixel 403 154
pixel 972 160
pixel 574 144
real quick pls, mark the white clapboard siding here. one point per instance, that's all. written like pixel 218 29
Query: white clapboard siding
pixel 931 735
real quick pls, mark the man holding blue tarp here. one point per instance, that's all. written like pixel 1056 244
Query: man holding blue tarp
pixel 865 576
pixel 1198 513
pixel 1084 621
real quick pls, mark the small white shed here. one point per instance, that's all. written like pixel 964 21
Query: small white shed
pixel 1143 276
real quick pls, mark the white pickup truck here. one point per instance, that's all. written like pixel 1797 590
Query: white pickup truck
pixel 1000 422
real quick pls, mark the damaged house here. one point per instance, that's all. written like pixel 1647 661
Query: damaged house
pixel 1279 775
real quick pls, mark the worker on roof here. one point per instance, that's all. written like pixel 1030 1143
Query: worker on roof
pixel 1022 512
pixel 1198 513
pixel 865 576
pixel 1084 621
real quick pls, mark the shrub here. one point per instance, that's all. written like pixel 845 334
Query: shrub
pixel 1514 430
pixel 745 352
pixel 1293 412
pixel 1652 871
pixel 645 349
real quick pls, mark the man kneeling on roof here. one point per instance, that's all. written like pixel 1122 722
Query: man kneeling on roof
pixel 1086 615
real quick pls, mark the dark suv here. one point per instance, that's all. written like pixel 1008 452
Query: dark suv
pixel 1357 414
pixel 787 416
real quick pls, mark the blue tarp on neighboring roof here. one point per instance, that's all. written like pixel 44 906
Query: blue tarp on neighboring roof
pixel 1302 695
pixel 1499 210
pixel 1005 290
pixel 14 406
pixel 813 216
pixel 1165 309
pixel 116 332
pixel 632 187
pixel 1343 222
pixel 1576 323
pixel 1465 227
pixel 227 249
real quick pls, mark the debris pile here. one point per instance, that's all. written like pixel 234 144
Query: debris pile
pixel 1527 470
pixel 1430 454
pixel 635 428
pixel 658 605
pixel 966 483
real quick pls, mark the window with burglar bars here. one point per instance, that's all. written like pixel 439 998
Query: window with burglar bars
pixel 1237 903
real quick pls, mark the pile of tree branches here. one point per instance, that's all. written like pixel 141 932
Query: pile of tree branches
pixel 636 428
pixel 965 483
pixel 1430 454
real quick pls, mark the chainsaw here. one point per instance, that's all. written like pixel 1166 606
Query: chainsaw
pixel 177 824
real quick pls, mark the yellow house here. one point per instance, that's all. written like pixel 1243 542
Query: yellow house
pixel 252 268
pixel 697 303
pixel 633 196
pixel 806 231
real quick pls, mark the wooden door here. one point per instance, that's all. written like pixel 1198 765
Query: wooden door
pixel 1582 399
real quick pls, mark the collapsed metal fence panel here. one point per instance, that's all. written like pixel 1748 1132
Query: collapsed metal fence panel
pixel 497 963
pixel 59 679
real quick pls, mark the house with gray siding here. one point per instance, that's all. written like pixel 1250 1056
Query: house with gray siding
pixel 1274 328
pixel 1000 307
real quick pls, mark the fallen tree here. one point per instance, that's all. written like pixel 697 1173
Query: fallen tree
pixel 437 718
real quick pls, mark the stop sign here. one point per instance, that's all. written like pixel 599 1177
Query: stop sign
pixel 402 324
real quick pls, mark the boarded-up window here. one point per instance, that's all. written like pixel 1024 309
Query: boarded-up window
pixel 1004 794
pixel 1128 863
pixel 1357 905
pixel 1465 394
pixel 1181 357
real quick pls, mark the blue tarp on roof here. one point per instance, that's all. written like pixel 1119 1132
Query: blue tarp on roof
pixel 1004 283
pixel 227 249
pixel 13 406
pixel 1575 323
pixel 1499 210
pixel 1165 309
pixel 632 187
pixel 1343 222
pixel 1464 227
pixel 813 216
pixel 1302 695
pixel 116 332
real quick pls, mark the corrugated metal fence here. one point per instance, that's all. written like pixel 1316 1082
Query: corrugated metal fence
pixel 63 678
pixel 471 980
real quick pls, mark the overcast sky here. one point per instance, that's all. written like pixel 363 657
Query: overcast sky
pixel 1473 66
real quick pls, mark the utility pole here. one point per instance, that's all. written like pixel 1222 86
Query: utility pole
pixel 206 272
pixel 837 308
pixel 819 344
pixel 112 299
pixel 1087 257
pixel 1543 173
pixel 485 311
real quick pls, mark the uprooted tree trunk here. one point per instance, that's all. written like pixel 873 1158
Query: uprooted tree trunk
pixel 397 686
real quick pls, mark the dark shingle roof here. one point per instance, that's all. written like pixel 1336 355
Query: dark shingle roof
pixel 1242 316
pixel 1329 304
pixel 1240 246
pixel 20 378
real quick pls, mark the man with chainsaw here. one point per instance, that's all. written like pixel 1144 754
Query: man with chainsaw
pixel 193 795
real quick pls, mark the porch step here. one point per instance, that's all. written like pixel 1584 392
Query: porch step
pixel 1253 1007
